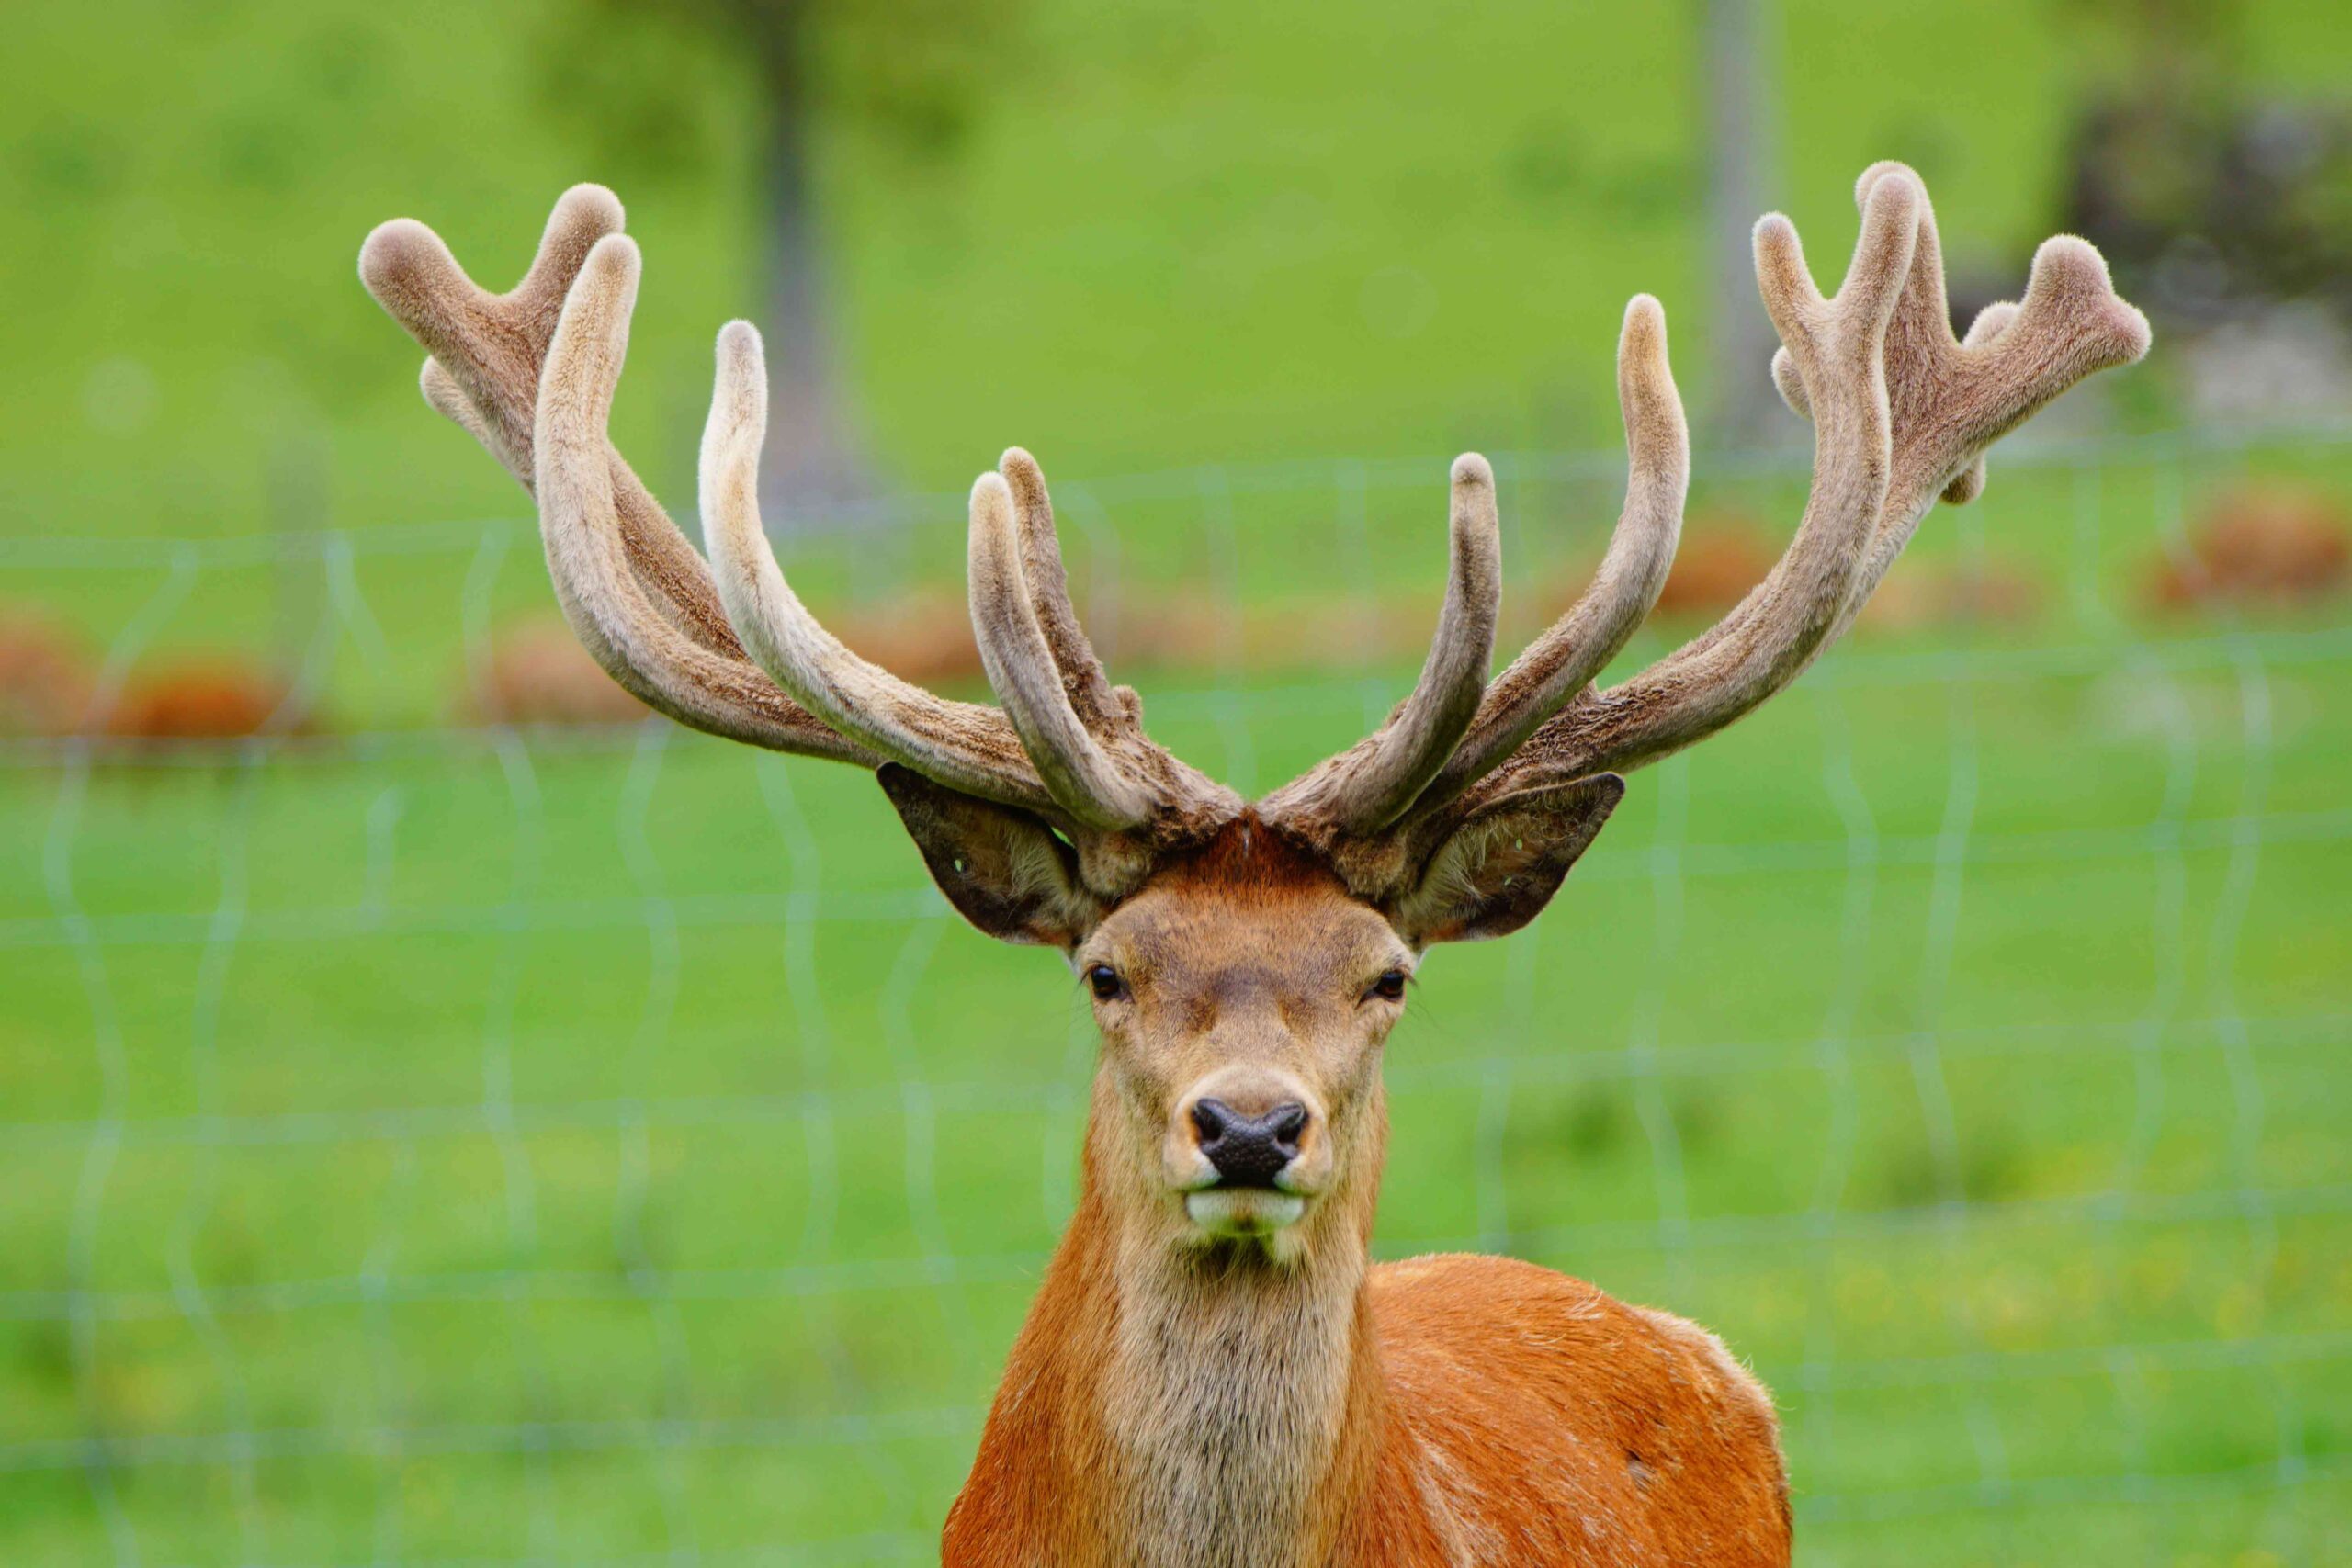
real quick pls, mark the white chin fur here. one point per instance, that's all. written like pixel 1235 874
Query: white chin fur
pixel 1247 1210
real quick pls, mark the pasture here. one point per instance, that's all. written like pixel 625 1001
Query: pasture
pixel 437 1144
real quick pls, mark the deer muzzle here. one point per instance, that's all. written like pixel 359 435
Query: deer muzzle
pixel 1249 1150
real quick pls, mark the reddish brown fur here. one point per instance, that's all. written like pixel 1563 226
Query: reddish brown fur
pixel 1446 1410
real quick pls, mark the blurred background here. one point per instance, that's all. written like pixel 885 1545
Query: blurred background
pixel 445 1118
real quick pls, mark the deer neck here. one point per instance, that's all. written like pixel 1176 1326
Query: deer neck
pixel 1234 1401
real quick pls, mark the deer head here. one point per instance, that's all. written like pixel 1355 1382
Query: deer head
pixel 1246 960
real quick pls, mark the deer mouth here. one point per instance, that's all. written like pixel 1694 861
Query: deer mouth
pixel 1224 1211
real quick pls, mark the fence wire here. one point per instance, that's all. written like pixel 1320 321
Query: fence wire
pixel 2039 1232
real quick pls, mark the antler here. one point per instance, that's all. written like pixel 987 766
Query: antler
pixel 1902 412
pixel 1365 788
pixel 1325 801
pixel 1953 397
pixel 653 619
pixel 531 375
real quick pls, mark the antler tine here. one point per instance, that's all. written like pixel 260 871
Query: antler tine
pixel 1952 399
pixel 1579 645
pixel 1029 678
pixel 960 745
pixel 449 400
pixel 1090 689
pixel 491 345
pixel 1085 734
pixel 1838 346
pixel 487 350
pixel 581 530
pixel 1373 782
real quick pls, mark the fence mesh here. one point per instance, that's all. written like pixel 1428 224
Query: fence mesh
pixel 432 1143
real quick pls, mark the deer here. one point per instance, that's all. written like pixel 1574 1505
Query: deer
pixel 1213 1371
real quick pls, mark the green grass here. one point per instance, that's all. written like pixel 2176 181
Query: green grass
pixel 1178 235
pixel 582 1151
pixel 592 1151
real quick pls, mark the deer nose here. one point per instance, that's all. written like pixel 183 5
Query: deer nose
pixel 1248 1151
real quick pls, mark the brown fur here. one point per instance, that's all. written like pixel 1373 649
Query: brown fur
pixel 1194 1401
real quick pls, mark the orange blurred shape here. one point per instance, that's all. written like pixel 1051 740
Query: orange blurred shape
pixel 207 697
pixel 2259 545
pixel 1922 596
pixel 923 634
pixel 44 677
pixel 1722 555
pixel 539 674
pixel 1188 626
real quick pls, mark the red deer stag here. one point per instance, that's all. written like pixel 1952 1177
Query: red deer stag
pixel 1213 1371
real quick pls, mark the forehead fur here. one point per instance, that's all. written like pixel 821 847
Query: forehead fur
pixel 1244 887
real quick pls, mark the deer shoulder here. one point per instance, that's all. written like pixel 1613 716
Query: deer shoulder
pixel 1539 1420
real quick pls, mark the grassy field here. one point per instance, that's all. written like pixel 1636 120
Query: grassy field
pixel 1178 235
pixel 436 1146
pixel 422 1145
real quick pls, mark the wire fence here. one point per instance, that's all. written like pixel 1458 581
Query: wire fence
pixel 430 1143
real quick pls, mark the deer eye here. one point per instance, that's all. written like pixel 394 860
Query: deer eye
pixel 1389 988
pixel 1105 983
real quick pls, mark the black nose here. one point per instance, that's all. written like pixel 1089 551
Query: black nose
pixel 1248 1151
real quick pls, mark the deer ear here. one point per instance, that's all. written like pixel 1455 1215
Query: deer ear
pixel 1004 869
pixel 1497 871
